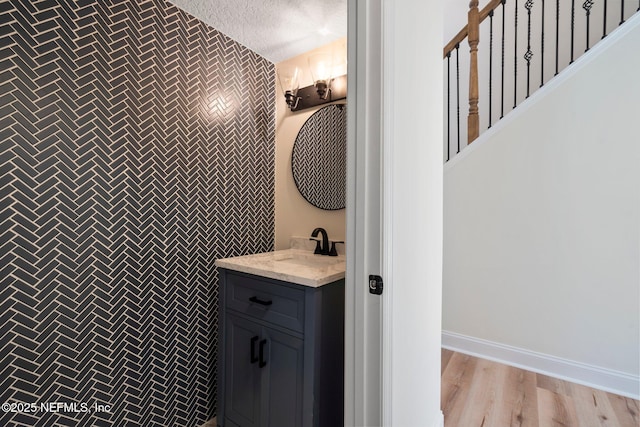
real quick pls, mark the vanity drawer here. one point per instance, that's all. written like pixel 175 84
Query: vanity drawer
pixel 263 299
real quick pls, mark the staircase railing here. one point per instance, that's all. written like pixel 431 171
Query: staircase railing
pixel 554 34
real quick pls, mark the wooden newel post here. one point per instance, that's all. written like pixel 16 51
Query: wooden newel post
pixel 473 123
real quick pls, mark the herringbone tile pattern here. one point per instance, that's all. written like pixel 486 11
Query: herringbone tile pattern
pixel 136 147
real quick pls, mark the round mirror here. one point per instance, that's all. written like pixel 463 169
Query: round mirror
pixel 319 158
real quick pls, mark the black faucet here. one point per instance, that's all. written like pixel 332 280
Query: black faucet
pixel 333 251
pixel 324 249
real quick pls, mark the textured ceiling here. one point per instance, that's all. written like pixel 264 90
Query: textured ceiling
pixel 275 29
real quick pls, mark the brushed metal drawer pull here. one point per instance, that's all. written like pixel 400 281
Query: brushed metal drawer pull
pixel 261 302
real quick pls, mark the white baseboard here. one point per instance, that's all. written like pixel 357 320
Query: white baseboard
pixel 592 376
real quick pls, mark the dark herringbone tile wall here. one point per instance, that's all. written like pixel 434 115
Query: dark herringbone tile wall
pixel 136 147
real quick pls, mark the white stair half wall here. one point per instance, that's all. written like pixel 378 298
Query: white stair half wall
pixel 542 225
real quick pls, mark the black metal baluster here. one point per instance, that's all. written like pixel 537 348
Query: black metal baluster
pixel 528 55
pixel 573 21
pixel 604 20
pixel 490 62
pixel 621 12
pixel 448 104
pixel 557 33
pixel 502 84
pixel 458 90
pixel 587 5
pixel 542 49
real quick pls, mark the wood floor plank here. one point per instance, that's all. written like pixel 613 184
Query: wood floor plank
pixel 456 382
pixel 520 398
pixel 513 399
pixel 627 410
pixel 593 407
pixel 556 410
pixel 484 399
pixel 445 356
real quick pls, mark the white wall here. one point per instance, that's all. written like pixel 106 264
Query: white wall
pixel 294 216
pixel 455 17
pixel 542 220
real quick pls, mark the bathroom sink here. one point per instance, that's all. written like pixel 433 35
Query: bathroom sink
pixel 307 260
pixel 290 265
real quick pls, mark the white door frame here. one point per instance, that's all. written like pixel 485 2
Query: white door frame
pixel 363 334
pixel 394 213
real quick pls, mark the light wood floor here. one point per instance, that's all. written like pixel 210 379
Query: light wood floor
pixel 480 393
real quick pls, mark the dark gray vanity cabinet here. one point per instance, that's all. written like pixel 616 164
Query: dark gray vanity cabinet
pixel 281 352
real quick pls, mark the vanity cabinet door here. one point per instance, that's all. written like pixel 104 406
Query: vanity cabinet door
pixel 242 382
pixel 282 380
pixel 264 375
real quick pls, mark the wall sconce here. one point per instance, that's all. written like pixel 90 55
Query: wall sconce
pixel 321 66
pixel 289 79
pixel 325 88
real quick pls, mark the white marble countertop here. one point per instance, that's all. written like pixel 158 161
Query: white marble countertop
pixel 290 265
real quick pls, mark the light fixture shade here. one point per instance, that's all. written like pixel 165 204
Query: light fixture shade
pixel 321 66
pixel 289 79
pixel 339 60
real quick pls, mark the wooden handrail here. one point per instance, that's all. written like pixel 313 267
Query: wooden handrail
pixel 464 32
pixel 456 40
